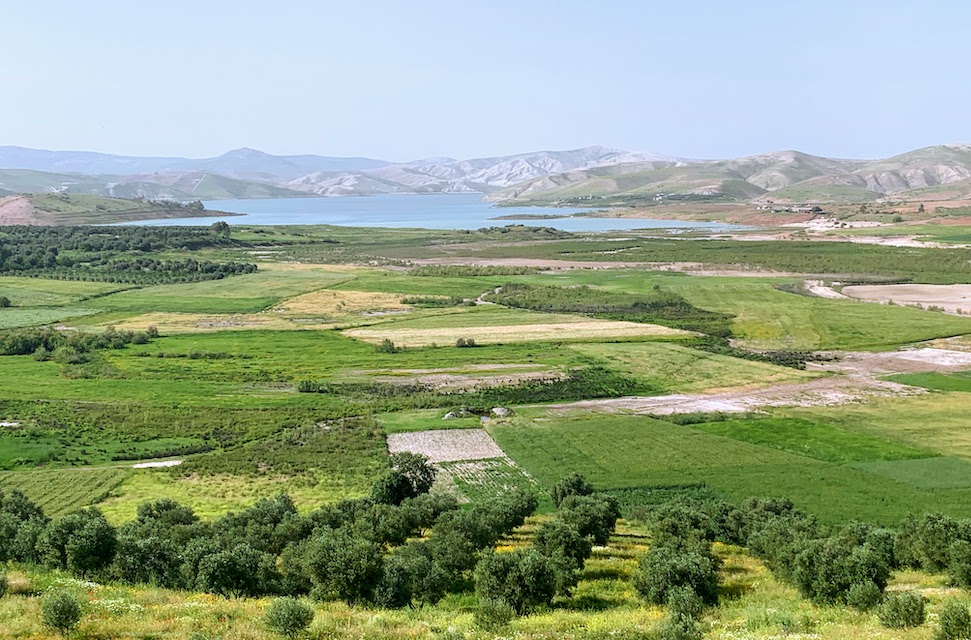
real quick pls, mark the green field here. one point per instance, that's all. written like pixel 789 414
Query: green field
pixel 636 451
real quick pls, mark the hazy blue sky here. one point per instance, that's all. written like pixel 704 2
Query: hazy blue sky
pixel 407 79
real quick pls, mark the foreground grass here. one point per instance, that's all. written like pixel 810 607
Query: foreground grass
pixel 604 605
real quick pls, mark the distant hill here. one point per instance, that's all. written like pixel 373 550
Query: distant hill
pixel 782 176
pixel 68 209
pixel 575 176
pixel 241 163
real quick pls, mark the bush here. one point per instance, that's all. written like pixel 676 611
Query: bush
pixel 493 615
pixel 864 596
pixel 61 611
pixel 5 302
pixel 386 346
pixel 4 584
pixel 959 564
pixel 594 515
pixel 466 343
pixel 572 485
pixel 955 622
pixel 683 602
pixel 288 616
pixel 521 579
pixel 903 610
pixel 679 628
pixel 669 567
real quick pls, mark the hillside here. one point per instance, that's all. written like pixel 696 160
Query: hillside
pixel 783 176
pixel 70 209
pixel 237 163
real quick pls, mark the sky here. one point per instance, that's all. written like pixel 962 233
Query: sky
pixel 401 80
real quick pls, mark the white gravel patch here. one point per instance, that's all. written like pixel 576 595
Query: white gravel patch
pixel 156 465
pixel 447 445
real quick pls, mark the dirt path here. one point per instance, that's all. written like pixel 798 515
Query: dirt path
pixel 855 379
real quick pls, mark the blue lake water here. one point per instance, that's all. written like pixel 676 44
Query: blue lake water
pixel 433 211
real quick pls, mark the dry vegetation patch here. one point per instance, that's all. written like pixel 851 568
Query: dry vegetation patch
pixel 447 445
pixel 331 302
pixel 593 330
pixel 172 323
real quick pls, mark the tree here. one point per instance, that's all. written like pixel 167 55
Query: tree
pixel 239 571
pixel 572 485
pixel 523 579
pixel 343 565
pixel 671 566
pixel 82 542
pixel 220 228
pixel 594 515
pixel 954 621
pixel 566 549
pixel 149 560
pixel 61 611
pixel 288 616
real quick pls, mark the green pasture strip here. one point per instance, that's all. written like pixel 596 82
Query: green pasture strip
pixel 248 293
pixel 16 317
pixel 937 381
pixel 768 318
pixel 932 266
pixel 64 490
pixel 818 441
pixel 928 473
pixel 684 370
pixel 935 422
pixel 636 451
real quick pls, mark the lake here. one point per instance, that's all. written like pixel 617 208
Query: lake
pixel 431 211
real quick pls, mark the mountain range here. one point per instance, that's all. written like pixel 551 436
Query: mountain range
pixel 540 177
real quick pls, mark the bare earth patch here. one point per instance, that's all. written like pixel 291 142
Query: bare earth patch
pixel 172 323
pixel 447 445
pixel 953 298
pixel 330 302
pixel 857 380
pixel 465 379
pixel 690 268
pixel 514 333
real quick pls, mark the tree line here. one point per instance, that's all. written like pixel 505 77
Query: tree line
pixel 115 255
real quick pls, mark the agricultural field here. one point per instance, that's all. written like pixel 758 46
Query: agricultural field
pixel 325 351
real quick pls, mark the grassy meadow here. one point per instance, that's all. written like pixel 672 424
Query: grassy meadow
pixel 293 377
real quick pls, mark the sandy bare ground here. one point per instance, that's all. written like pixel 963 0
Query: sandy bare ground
pixel 820 289
pixel 855 381
pixel 447 445
pixel 408 337
pixel 157 465
pixel 18 210
pixel 952 298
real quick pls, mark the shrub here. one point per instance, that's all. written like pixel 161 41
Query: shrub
pixel 666 568
pixel 864 596
pixel 679 628
pixel 903 610
pixel 683 602
pixel 594 515
pixel 288 616
pixel 61 611
pixel 465 343
pixel 572 485
pixel 959 564
pixel 4 584
pixel 493 615
pixel 954 622
pixel 386 346
pixel 522 579
pixel 5 302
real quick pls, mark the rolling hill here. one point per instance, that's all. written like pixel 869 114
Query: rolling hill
pixel 782 176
